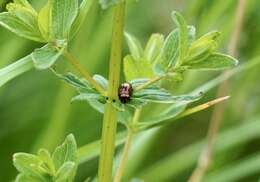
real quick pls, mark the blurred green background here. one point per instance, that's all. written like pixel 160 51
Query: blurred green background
pixel 35 108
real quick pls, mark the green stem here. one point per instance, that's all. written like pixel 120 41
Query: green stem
pixel 110 115
pixel 150 82
pixel 124 156
pixel 129 138
pixel 82 71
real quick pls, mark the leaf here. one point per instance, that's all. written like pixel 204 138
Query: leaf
pixel 73 80
pixel 45 156
pixel 135 46
pixel 163 96
pixel 106 3
pixel 46 56
pixel 44 21
pixel 203 47
pixel 83 11
pixel 87 96
pixel 63 15
pixel 161 118
pixel 24 178
pixel 19 27
pixel 66 152
pixel 135 69
pixel 29 165
pixel 24 3
pixel 102 81
pixel 66 172
pixel 15 69
pixel 153 47
pixel 215 61
pixel 183 36
pixel 170 50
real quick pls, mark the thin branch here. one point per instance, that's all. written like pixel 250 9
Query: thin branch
pixel 86 75
pixel 150 82
pixel 206 155
pixel 129 139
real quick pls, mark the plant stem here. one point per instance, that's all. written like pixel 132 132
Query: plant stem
pixel 110 115
pixel 129 138
pixel 124 156
pixel 205 158
pixel 82 71
pixel 150 82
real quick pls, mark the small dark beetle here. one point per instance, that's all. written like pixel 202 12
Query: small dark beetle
pixel 125 92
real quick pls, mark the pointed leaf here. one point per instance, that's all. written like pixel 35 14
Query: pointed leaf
pixel 203 47
pixel 183 36
pixel 215 61
pixel 45 156
pixel 19 27
pixel 15 69
pixel 163 96
pixel 63 15
pixel 135 46
pixel 44 21
pixel 83 11
pixel 135 69
pixel 46 56
pixel 29 164
pixel 153 47
pixel 24 178
pixel 66 172
pixel 66 152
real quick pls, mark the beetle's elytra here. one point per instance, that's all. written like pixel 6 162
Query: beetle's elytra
pixel 125 92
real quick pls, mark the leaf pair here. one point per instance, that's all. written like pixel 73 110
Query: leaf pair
pixel 53 22
pixel 140 63
pixel 59 167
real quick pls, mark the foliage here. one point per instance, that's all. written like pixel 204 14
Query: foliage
pixel 178 58
pixel 59 167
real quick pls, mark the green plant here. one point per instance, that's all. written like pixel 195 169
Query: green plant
pixel 144 68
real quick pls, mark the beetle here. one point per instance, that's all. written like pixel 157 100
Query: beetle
pixel 125 92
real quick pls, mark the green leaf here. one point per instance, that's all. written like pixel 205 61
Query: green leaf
pixel 63 15
pixel 161 118
pixel 29 165
pixel 16 25
pixel 153 47
pixel 183 36
pixel 66 172
pixel 45 156
pixel 135 69
pixel 203 47
pixel 87 96
pixel 24 3
pixel 135 46
pixel 102 81
pixel 66 152
pixel 83 11
pixel 106 3
pixel 44 21
pixel 170 50
pixel 24 178
pixel 163 96
pixel 15 69
pixel 46 56
pixel 215 61
pixel 73 80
